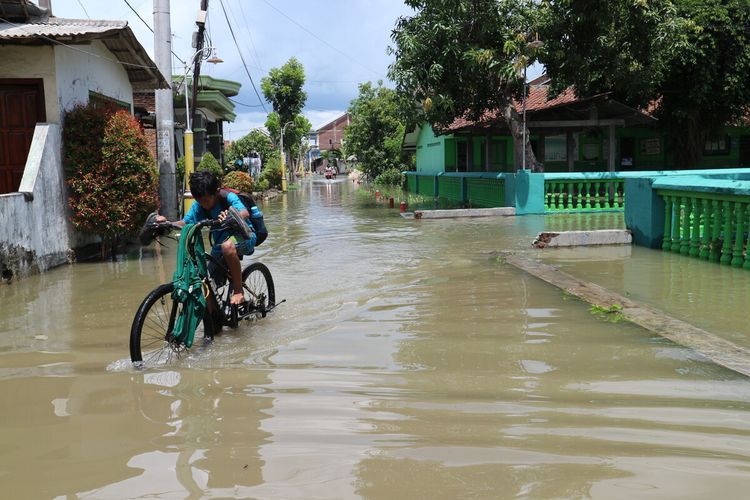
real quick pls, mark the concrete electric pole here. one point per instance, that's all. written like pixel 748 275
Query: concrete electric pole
pixel 165 111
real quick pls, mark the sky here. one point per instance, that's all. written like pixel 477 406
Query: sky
pixel 340 43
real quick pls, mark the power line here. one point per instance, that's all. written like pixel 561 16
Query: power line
pixel 147 25
pixel 321 40
pixel 75 48
pixel 84 9
pixel 221 2
pixel 250 34
pixel 246 105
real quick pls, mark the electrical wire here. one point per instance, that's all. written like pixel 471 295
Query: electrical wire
pixel 84 9
pixel 2 19
pixel 244 64
pixel 320 39
pixel 250 34
pixel 148 26
pixel 246 105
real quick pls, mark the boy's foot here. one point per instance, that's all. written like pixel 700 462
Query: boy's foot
pixel 237 299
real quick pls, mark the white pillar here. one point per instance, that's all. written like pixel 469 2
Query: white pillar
pixel 165 111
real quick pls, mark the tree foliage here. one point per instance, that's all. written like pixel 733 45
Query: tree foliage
pixel 111 174
pixel 375 131
pixel 463 58
pixel 254 141
pixel 294 134
pixel 283 89
pixel 689 58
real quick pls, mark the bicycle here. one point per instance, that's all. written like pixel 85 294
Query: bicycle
pixel 151 332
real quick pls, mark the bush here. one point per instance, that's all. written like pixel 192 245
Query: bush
pixel 179 168
pixel 263 185
pixel 241 181
pixel 210 163
pixel 112 176
pixel 272 173
pixel 390 177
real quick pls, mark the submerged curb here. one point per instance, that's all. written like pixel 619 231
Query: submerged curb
pixel 719 350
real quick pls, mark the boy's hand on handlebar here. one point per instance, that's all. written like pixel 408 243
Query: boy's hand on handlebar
pixel 160 218
pixel 223 216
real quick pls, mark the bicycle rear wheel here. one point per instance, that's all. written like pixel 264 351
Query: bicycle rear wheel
pixel 151 340
pixel 259 291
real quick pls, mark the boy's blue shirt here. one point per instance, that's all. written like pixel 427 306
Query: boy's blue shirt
pixel 197 214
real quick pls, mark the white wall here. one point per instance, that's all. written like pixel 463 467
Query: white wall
pixel 18 61
pixel 93 70
pixel 34 231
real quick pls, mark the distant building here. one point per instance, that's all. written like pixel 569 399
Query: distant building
pixel 330 136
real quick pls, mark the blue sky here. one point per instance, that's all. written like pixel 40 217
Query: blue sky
pixel 340 43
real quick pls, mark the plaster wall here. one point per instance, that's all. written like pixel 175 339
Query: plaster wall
pixel 92 68
pixel 33 222
pixel 17 61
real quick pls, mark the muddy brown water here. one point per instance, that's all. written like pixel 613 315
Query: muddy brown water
pixel 408 362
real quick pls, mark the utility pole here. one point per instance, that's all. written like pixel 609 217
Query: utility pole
pixel 201 22
pixel 165 111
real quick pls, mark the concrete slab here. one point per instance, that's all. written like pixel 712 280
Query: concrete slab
pixel 460 212
pixel 583 238
pixel 713 347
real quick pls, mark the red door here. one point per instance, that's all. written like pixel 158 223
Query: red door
pixel 21 107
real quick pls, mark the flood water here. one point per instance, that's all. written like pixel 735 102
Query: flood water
pixel 407 362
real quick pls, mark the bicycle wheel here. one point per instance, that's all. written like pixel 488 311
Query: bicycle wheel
pixel 151 340
pixel 260 294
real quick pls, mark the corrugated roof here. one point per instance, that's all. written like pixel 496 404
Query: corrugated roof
pixel 115 35
pixel 57 27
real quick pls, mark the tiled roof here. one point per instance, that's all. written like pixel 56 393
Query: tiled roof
pixel 535 101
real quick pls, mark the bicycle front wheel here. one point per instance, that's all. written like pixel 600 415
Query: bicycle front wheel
pixel 258 288
pixel 151 340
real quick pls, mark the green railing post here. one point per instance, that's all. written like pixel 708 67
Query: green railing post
pixel 587 194
pixel 579 205
pixel 746 265
pixel 685 233
pixel 695 233
pixel 677 224
pixel 726 250
pixel 739 236
pixel 715 254
pixel 706 241
pixel 668 208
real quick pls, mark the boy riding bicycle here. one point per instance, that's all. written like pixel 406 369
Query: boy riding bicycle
pixel 205 188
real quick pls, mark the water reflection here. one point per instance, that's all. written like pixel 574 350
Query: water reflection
pixel 408 360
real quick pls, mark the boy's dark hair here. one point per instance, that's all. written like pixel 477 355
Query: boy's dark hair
pixel 202 183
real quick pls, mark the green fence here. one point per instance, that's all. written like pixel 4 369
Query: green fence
pixel 580 194
pixel 485 193
pixel 708 226
pixel 473 189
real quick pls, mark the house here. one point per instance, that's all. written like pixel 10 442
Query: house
pixel 214 108
pixel 330 135
pixel 47 66
pixel 568 133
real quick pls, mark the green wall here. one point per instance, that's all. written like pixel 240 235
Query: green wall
pixel 430 151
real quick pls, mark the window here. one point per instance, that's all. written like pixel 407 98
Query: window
pixel 555 148
pixel 462 160
pixel 718 146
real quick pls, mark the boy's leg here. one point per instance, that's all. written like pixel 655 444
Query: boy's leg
pixel 235 270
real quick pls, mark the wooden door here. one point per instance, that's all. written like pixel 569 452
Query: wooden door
pixel 745 151
pixel 21 107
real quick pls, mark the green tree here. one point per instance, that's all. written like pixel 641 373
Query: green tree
pixel 112 175
pixel 376 130
pixel 689 59
pixel 254 141
pixel 283 88
pixel 464 58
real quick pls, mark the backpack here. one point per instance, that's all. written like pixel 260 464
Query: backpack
pixel 256 216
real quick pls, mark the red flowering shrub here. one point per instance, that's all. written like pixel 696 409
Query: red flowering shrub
pixel 111 174
pixel 241 181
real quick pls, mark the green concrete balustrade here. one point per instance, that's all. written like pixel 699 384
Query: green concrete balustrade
pixel 708 226
pixel 583 195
